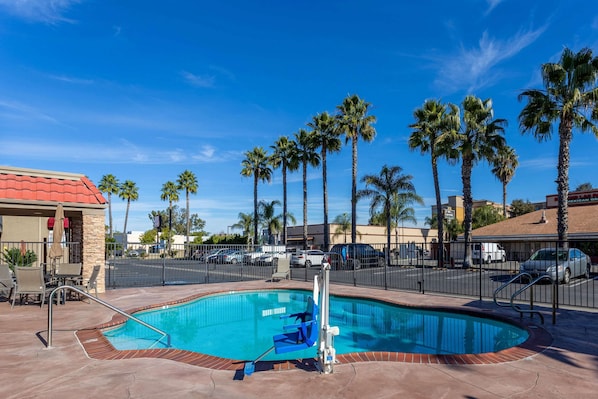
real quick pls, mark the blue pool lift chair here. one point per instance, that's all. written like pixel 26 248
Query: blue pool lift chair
pixel 298 336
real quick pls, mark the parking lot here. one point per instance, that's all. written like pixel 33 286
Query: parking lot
pixel 479 281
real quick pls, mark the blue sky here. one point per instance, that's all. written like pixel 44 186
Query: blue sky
pixel 147 89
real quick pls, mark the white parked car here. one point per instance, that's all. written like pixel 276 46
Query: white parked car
pixel 307 258
pixel 267 258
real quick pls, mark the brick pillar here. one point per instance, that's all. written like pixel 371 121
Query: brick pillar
pixel 93 246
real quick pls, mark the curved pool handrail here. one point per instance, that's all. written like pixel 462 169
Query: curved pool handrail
pixel 505 285
pixel 530 285
pixel 106 304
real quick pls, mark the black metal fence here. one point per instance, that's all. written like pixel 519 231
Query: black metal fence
pixel 407 266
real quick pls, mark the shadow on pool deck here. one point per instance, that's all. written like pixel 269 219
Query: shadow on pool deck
pixel 567 368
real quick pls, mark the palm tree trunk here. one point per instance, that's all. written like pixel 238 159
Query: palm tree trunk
pixel 304 205
pixel 125 226
pixel 439 216
pixel 325 195
pixel 255 179
pixel 468 205
pixel 565 134
pixel 284 203
pixel 504 199
pixel 387 252
pixel 169 226
pixel 187 194
pixel 110 213
pixel 354 190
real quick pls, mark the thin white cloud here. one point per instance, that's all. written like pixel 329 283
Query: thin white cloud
pixel 492 4
pixel 15 110
pixel 69 79
pixel 198 80
pixel 47 11
pixel 475 68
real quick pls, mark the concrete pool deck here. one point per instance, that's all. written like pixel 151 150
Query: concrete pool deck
pixel 568 367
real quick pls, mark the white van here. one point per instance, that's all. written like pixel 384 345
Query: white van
pixel 488 252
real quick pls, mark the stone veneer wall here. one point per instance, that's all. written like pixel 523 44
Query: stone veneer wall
pixel 93 243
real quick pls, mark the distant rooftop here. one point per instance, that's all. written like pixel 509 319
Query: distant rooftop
pixel 542 224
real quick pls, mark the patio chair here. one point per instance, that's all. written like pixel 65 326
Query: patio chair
pixel 283 268
pixel 91 282
pixel 30 281
pixel 6 281
pixel 68 270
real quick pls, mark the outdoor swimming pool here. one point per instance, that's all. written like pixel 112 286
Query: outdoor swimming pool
pixel 240 325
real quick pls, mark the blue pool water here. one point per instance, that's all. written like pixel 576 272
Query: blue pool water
pixel 240 326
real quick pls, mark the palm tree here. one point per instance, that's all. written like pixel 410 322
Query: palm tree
pixel 326 135
pixel 188 182
pixel 381 189
pixel 433 124
pixel 400 212
pixel 109 185
pixel 344 225
pixel 269 220
pixel 128 191
pixel 170 193
pixel 354 122
pixel 479 138
pixel 307 155
pixel 256 164
pixel 504 164
pixel 245 222
pixel 569 97
pixel 284 156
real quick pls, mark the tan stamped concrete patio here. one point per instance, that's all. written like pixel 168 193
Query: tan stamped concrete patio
pixel 565 366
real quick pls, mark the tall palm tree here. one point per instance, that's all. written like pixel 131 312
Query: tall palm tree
pixel 307 156
pixel 129 192
pixel 433 124
pixel 284 156
pixel 109 185
pixel 479 138
pixel 343 222
pixel 170 193
pixel 187 181
pixel 256 164
pixel 326 135
pixel 381 189
pixel 270 221
pixel 355 123
pixel 503 167
pixel 569 97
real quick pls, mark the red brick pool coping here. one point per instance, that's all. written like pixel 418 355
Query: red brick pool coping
pixel 97 346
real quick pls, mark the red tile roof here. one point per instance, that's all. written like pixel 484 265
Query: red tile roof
pixel 29 185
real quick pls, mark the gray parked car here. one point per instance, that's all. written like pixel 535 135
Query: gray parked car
pixel 568 263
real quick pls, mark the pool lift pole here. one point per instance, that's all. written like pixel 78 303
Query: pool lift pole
pixel 326 333
pixel 326 351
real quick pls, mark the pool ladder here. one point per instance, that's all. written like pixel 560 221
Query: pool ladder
pixel 64 288
pixel 529 286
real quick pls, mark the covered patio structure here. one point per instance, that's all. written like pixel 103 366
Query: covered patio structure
pixel 28 201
